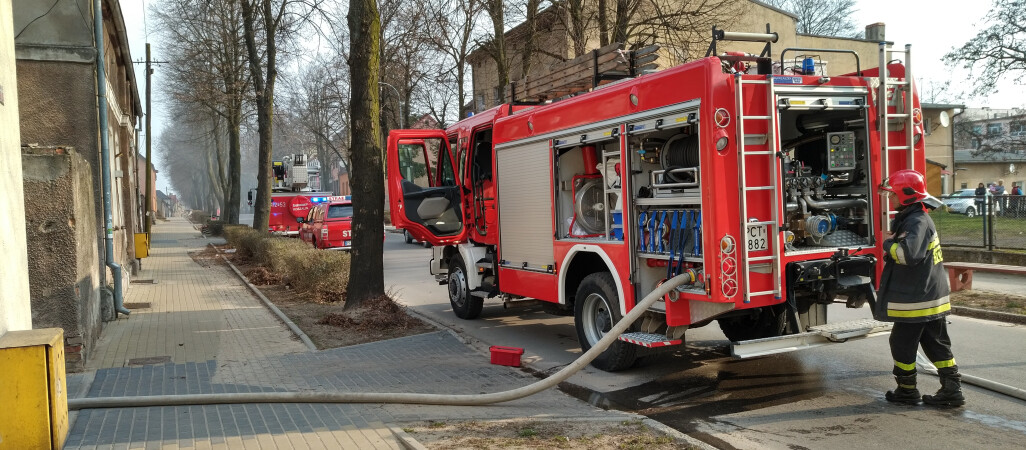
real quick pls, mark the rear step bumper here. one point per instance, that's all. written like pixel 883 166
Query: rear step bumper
pixel 650 340
pixel 831 333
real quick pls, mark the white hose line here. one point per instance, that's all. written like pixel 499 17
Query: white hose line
pixel 402 398
pixel 927 366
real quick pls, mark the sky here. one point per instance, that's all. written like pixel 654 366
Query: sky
pixel 932 27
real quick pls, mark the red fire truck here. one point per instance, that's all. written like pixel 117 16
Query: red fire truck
pixel 762 187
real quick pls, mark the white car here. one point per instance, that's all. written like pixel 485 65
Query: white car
pixel 963 201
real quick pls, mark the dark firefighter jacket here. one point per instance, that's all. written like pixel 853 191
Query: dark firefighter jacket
pixel 914 286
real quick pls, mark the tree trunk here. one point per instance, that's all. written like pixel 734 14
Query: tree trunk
pixel 531 26
pixel 603 22
pixel 234 197
pixel 498 47
pixel 264 90
pixel 366 280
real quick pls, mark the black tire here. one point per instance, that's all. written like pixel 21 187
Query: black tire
pixel 425 244
pixel 464 305
pixel 596 310
pixel 406 235
pixel 970 212
pixel 766 322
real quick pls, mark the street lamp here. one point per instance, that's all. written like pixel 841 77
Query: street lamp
pixel 399 100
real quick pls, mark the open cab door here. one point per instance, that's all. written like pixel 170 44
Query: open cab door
pixel 422 187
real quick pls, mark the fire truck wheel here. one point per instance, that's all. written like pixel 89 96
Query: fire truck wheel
pixel 767 322
pixel 465 306
pixel 596 310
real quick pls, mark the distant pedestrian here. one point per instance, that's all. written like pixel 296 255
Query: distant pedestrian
pixel 999 197
pixel 981 197
pixel 914 293
pixel 1016 202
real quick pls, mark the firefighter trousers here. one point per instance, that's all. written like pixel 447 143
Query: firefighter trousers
pixel 933 336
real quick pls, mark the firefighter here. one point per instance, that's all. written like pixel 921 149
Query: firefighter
pixel 914 293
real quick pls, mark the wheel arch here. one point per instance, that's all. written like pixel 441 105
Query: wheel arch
pixel 583 260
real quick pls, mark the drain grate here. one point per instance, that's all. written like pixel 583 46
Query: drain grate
pixel 149 360
pixel 138 305
pixel 164 241
pixel 144 281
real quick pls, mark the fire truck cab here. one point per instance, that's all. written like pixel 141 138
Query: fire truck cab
pixel 761 187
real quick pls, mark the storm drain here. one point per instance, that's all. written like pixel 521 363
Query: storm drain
pixel 139 305
pixel 149 360
pixel 144 281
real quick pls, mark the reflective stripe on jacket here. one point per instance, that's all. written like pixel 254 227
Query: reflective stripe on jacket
pixel 914 285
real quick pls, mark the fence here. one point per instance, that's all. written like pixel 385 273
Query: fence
pixel 993 222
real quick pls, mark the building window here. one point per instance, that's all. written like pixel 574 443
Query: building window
pixel 964 186
pixel 977 129
pixel 975 143
pixel 1017 129
pixel 993 129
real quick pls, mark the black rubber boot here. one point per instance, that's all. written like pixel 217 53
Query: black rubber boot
pixel 950 393
pixel 906 391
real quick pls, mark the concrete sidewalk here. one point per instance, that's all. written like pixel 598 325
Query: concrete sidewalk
pixel 203 332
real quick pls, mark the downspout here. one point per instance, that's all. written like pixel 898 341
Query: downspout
pixel 101 94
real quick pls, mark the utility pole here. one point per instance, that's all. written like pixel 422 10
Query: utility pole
pixel 149 149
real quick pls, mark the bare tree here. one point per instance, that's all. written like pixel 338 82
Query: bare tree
pixel 998 51
pixel 452 33
pixel 275 21
pixel 208 69
pixel 496 45
pixel 366 278
pixel 823 17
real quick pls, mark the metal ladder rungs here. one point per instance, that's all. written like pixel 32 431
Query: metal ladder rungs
pixel 760 258
pixel 760 293
pixel 755 224
pixel 759 152
pixel 900 147
pixel 899 116
pixel 743 81
pixel 755 118
pixel 759 188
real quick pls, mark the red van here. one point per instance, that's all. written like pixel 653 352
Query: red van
pixel 329 225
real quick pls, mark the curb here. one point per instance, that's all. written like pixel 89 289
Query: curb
pixel 405 440
pixel 288 322
pixel 984 314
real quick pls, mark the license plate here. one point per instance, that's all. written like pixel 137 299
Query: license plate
pixel 347 243
pixel 757 238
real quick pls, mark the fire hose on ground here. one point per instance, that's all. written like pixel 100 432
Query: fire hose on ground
pixel 452 399
pixel 401 398
pixel 926 366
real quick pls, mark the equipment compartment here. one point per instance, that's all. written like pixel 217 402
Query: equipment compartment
pixel 825 176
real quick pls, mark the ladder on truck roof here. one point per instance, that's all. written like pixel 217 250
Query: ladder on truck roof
pixel 904 109
pixel 748 223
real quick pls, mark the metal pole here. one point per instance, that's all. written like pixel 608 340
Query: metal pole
pixel 149 149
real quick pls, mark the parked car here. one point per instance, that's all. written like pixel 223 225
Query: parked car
pixel 409 239
pixel 329 225
pixel 963 201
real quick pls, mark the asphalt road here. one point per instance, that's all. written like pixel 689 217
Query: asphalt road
pixel 826 397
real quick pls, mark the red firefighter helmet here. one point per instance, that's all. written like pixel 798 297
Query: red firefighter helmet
pixel 908 185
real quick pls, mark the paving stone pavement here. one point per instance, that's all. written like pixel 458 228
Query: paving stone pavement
pixel 231 343
pixel 196 313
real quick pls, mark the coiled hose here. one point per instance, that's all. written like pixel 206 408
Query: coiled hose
pixel 401 398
